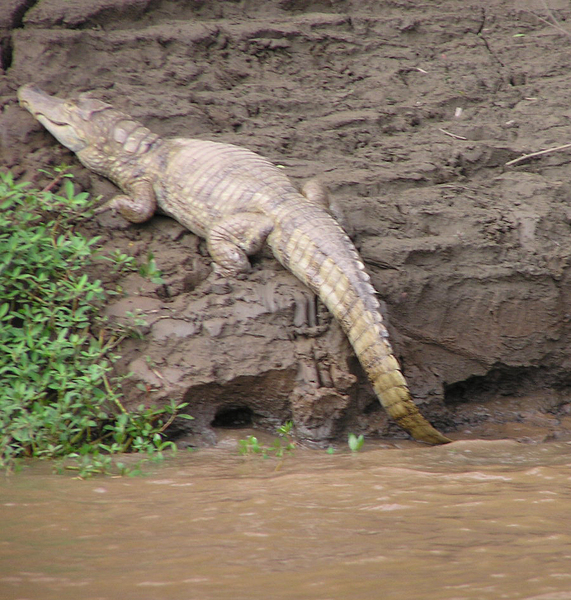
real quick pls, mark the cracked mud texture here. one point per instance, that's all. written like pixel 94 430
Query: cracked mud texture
pixel 409 112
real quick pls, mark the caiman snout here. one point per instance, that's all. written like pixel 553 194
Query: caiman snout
pixel 55 114
pixel 34 99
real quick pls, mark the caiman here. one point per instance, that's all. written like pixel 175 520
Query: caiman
pixel 238 201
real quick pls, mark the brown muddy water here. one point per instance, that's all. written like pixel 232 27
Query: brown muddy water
pixel 472 520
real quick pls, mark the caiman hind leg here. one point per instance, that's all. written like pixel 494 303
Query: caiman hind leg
pixel 232 239
pixel 317 193
pixel 137 206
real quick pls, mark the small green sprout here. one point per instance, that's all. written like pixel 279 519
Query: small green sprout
pixel 355 443
pixel 283 444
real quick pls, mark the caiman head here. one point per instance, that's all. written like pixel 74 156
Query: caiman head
pixel 94 130
pixel 71 122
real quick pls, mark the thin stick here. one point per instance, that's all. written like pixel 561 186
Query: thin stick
pixel 113 395
pixel 555 24
pixel 453 135
pixel 51 185
pixel 534 154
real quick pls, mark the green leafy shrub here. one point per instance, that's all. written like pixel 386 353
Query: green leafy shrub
pixel 57 396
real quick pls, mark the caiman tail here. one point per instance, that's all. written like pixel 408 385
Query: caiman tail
pixel 311 244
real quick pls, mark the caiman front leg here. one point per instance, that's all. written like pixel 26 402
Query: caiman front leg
pixel 233 238
pixel 137 206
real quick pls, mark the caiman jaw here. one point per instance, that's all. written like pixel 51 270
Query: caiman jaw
pixel 54 114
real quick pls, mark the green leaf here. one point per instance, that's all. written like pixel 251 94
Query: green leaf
pixel 355 443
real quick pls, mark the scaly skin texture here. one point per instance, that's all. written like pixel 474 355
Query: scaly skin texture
pixel 238 201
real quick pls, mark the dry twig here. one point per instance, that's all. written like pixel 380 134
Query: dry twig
pixel 555 23
pixel 534 154
pixel 453 135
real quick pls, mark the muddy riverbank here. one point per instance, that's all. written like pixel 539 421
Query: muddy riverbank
pixel 410 113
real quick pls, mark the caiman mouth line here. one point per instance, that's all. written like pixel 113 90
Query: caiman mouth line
pixel 39 114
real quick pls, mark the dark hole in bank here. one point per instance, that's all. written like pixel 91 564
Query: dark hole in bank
pixel 233 416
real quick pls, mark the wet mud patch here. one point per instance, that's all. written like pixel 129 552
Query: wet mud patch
pixel 410 114
pixel 529 405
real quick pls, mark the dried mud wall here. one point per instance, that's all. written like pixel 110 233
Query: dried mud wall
pixel 409 111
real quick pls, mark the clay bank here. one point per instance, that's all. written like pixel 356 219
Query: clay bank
pixel 409 114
